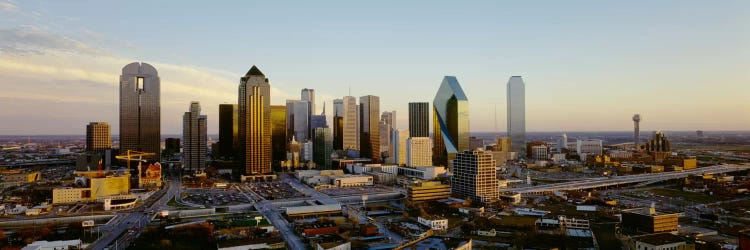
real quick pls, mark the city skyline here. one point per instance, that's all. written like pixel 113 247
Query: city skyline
pixel 569 76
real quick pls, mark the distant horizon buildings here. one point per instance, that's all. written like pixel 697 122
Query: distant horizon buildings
pixel 255 122
pixel 451 121
pixel 419 119
pixel 516 98
pixel 140 109
pixel 194 139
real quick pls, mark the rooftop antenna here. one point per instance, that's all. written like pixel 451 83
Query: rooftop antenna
pixel 350 90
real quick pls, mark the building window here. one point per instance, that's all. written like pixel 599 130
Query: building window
pixel 139 83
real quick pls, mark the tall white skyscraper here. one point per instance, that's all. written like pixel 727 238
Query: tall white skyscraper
pixel 418 151
pixel 517 114
pixel 194 138
pixel 399 146
pixel 350 132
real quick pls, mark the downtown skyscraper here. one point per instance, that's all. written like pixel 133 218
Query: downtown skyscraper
pixel 338 124
pixel 278 135
pixel 98 137
pixel 228 130
pixel 194 139
pixel 140 109
pixel 255 122
pixel 517 114
pixel 419 119
pixel 298 120
pixel 350 132
pixel 369 129
pixel 451 121
pixel 387 127
pixel 308 95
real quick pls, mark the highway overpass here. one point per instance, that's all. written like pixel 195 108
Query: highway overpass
pixel 621 180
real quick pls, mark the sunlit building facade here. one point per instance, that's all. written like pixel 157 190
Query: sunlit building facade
pixel 255 121
pixel 369 132
pixel 474 176
pixel 278 135
pixel 98 137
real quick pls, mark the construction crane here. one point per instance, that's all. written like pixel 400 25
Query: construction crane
pixel 129 155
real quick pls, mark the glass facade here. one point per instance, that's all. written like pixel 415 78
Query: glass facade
pixel 517 114
pixel 255 122
pixel 279 138
pixel 140 109
pixel 338 124
pixel 419 119
pixel 450 121
pixel 228 129
pixel 323 147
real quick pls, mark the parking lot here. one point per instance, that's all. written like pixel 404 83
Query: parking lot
pixel 216 197
pixel 274 190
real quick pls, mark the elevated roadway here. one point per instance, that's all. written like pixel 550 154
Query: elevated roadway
pixel 623 180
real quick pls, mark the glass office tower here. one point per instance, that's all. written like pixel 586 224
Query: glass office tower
pixel 517 114
pixel 451 121
pixel 140 109
pixel 255 122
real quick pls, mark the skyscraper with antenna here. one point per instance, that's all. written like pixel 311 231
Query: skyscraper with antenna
pixel 636 128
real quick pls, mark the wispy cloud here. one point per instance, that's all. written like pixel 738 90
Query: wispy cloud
pixel 36 40
pixel 48 69
pixel 8 6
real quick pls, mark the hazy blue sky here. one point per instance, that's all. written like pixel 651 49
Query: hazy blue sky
pixel 588 65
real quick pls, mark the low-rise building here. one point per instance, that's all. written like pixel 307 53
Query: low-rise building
pixel 56 245
pixel 434 222
pixel 660 241
pixel 423 173
pixel 428 190
pixel 648 220
pixel 352 180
